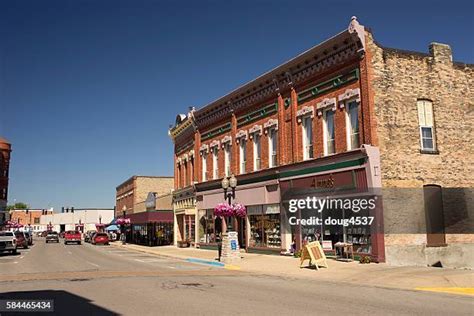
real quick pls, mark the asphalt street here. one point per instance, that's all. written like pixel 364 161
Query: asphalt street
pixel 103 280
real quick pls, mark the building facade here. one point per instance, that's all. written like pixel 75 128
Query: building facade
pixel 5 152
pixel 342 119
pixel 81 219
pixel 29 218
pixel 135 190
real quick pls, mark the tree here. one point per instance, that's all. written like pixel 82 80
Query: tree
pixel 17 206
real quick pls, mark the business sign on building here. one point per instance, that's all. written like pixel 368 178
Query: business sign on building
pixel 150 202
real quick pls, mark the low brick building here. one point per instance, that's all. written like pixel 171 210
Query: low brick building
pixel 135 190
pixel 29 218
pixel 346 116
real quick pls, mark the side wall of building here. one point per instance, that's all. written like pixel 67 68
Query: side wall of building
pixel 400 80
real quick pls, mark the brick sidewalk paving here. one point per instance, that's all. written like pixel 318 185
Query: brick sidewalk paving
pixel 350 272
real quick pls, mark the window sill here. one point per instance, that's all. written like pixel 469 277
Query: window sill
pixel 429 152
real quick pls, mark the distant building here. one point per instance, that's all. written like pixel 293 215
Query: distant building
pixel 29 218
pixel 77 219
pixel 5 150
pixel 136 189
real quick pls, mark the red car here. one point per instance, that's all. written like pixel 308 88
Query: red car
pixel 100 238
pixel 72 236
pixel 21 239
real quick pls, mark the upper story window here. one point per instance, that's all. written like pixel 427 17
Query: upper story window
pixel 242 155
pixel 426 123
pixel 352 123
pixel 204 166
pixel 185 173
pixel 272 147
pixel 215 168
pixel 329 132
pixel 227 159
pixel 257 152
pixel 307 124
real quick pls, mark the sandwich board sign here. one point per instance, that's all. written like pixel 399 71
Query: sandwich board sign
pixel 315 254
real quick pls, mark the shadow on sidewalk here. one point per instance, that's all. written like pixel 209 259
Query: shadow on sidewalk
pixel 65 303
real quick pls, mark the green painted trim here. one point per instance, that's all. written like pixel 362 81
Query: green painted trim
pixel 329 85
pixel 292 173
pixel 338 165
pixel 216 131
pixel 287 102
pixel 256 115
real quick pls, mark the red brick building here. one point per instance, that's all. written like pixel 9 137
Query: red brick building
pixel 5 151
pixel 309 127
pixel 29 218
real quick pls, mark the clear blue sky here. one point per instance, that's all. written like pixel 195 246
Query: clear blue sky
pixel 88 88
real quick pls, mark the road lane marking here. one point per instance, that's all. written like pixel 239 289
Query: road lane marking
pixel 452 290
pixel 69 252
pixel 93 264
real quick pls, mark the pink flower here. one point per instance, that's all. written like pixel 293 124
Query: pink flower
pixel 239 210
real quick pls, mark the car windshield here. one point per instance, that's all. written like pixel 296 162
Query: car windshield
pixel 52 233
pixel 8 234
pixel 18 234
pixel 101 235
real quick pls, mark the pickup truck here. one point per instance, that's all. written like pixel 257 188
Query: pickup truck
pixel 72 236
pixel 7 242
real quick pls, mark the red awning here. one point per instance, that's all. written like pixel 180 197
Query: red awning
pixel 152 217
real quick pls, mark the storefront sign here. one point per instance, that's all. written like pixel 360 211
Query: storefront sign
pixel 150 202
pixel 315 254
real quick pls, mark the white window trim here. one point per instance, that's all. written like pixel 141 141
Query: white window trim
pixel 242 154
pixel 255 146
pixel 348 122
pixel 433 137
pixel 215 162
pixel 270 146
pixel 306 153
pixel 325 131
pixel 204 166
pixel 432 126
pixel 227 159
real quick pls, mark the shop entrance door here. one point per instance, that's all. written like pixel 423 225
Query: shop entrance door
pixel 242 227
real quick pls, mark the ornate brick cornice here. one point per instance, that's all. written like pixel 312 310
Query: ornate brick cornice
pixel 347 45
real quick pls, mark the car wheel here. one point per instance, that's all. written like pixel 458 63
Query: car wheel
pixel 14 252
pixel 79 243
pixel 25 247
pixel 46 241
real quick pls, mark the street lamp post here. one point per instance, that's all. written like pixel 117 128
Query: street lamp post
pixel 229 183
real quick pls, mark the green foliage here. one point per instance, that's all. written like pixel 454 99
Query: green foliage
pixel 17 206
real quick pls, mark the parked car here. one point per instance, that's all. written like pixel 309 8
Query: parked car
pixel 21 239
pixel 100 238
pixel 44 233
pixel 52 237
pixel 29 237
pixel 72 236
pixel 8 242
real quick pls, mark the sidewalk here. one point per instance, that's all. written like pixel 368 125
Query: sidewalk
pixel 379 275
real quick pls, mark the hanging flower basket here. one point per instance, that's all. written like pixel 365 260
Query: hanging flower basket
pixel 226 210
pixel 223 210
pixel 239 210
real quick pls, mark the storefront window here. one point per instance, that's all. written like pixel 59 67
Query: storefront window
pixel 264 226
pixel 209 226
